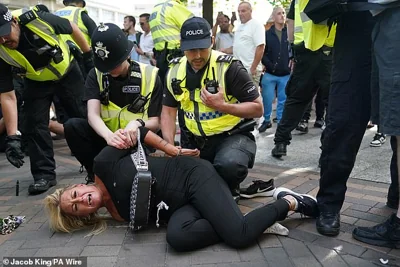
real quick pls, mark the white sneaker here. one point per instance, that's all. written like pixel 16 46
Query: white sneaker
pixel 277 229
pixel 378 140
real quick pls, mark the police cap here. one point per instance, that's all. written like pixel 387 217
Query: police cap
pixel 110 47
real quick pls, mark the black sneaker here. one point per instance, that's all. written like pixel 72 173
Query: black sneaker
pixel 378 140
pixel 264 126
pixel 258 188
pixel 319 123
pixel 275 120
pixel 306 204
pixel 303 126
pixel 89 178
pixel 386 234
pixel 236 194
pixel 279 150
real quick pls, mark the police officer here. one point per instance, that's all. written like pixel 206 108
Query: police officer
pixel 76 12
pixel 33 45
pixel 166 21
pixel 312 47
pixel 121 95
pixel 215 93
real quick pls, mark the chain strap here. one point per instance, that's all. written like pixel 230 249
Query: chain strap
pixel 139 157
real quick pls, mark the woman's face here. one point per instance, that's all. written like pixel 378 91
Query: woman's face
pixel 81 200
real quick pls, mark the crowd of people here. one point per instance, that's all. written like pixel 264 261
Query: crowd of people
pixel 113 89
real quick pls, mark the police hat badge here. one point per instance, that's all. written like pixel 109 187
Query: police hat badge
pixel 101 51
pixel 102 27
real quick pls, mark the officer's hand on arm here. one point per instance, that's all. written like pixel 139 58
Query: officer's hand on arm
pixel 118 139
pixel 189 152
pixel 13 150
pixel 214 101
pixel 130 132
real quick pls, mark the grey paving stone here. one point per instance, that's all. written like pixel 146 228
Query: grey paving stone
pixel 44 243
pixel 178 259
pixel 102 261
pixel 92 251
pixel 339 246
pixel 107 239
pixel 236 264
pixel 144 238
pixel 357 262
pixel 142 261
pixel 360 207
pixel 374 256
pixel 302 235
pixel 269 241
pixel 141 249
pixel 306 262
pixel 59 252
pixel 252 253
pixel 295 248
pixel 208 257
pixel 30 252
pixel 9 247
pixel 364 215
pixel 361 201
pixel 305 187
pixel 277 257
pixel 327 257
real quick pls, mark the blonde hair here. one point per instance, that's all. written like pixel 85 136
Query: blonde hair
pixel 61 222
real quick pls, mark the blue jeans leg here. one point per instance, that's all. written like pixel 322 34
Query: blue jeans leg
pixel 268 92
pixel 281 81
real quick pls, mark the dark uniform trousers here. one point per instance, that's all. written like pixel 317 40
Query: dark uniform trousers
pixel 319 107
pixel 37 100
pixel 348 109
pixel 232 156
pixel 83 141
pixel 311 68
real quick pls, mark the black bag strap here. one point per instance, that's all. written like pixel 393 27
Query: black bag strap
pixel 363 6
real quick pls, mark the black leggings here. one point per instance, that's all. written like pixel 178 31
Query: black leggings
pixel 201 211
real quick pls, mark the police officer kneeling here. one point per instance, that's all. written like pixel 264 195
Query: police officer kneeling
pixel 213 112
pixel 121 95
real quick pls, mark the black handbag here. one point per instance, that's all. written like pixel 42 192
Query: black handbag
pixel 321 10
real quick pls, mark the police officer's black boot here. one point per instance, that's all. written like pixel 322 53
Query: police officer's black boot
pixel 279 150
pixel 89 178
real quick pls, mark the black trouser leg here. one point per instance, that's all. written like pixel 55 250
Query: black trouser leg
pixel 307 113
pixel 319 105
pixel 83 141
pixel 38 97
pixel 393 194
pixel 162 66
pixel 348 109
pixel 311 68
pixel 233 158
pixel 211 197
pixel 70 92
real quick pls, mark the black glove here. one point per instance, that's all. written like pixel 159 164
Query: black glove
pixel 87 60
pixel 13 150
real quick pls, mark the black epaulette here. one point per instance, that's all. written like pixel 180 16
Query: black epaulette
pixel 27 17
pixel 175 60
pixel 225 58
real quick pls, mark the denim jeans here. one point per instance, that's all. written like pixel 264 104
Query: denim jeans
pixel 269 82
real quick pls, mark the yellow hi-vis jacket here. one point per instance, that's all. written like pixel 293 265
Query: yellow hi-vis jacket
pixel 200 119
pixel 74 14
pixel 166 21
pixel 116 117
pixel 44 30
pixel 313 35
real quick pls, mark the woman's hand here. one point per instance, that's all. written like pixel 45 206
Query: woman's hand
pixel 118 140
pixel 190 152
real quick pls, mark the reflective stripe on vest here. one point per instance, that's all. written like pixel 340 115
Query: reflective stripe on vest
pixel 313 35
pixel 162 29
pixel 74 14
pixel 200 119
pixel 52 71
pixel 116 117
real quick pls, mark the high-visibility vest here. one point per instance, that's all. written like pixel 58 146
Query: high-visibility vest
pixel 313 35
pixel 200 119
pixel 44 30
pixel 74 14
pixel 166 21
pixel 116 117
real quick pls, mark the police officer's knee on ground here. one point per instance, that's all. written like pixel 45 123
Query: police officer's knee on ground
pixel 218 99
pixel 121 96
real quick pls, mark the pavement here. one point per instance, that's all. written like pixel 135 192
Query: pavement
pixel 364 206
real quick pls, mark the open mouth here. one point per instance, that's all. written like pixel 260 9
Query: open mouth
pixel 90 199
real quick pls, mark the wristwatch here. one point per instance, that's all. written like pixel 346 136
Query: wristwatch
pixel 141 122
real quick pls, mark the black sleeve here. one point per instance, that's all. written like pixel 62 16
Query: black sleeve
pixel 92 88
pixel 290 14
pixel 89 23
pixel 168 99
pixel 60 25
pixel 6 83
pixel 156 100
pixel 239 83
